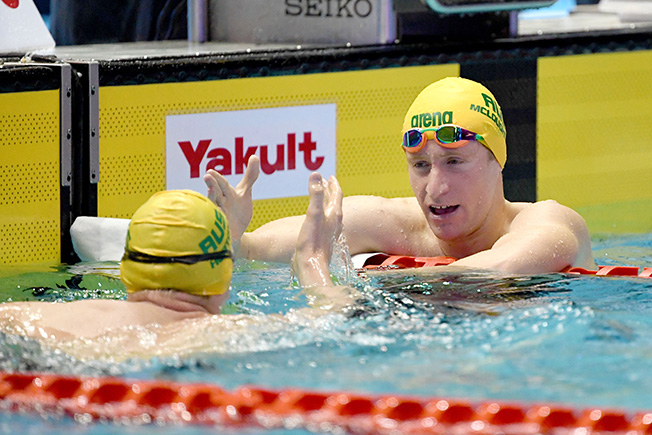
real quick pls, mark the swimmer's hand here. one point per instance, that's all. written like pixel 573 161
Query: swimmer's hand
pixel 236 203
pixel 320 230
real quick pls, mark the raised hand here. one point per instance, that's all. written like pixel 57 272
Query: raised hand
pixel 320 230
pixel 236 203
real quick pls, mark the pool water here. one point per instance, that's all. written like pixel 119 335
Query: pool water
pixel 573 340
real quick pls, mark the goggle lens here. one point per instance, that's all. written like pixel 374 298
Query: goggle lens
pixel 412 138
pixel 415 139
pixel 448 134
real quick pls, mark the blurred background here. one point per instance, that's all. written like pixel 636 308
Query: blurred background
pixel 74 22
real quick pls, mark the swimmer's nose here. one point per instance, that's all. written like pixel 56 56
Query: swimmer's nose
pixel 437 183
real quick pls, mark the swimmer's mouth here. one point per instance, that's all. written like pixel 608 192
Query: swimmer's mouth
pixel 442 210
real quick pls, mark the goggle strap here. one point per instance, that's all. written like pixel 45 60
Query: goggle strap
pixel 141 257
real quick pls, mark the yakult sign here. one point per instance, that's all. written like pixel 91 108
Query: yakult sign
pixel 291 142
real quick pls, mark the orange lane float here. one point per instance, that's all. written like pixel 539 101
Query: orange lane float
pixel 115 400
pixel 384 261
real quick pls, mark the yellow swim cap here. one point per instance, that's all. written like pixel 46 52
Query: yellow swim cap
pixel 464 103
pixel 178 240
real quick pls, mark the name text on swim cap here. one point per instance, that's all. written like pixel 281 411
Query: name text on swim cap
pixel 435 119
pixel 217 239
pixel 494 114
pixel 226 163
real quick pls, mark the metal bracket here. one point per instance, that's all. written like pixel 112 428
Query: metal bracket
pixel 94 122
pixel 66 124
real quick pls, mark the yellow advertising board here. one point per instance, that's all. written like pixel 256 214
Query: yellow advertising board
pixel 370 109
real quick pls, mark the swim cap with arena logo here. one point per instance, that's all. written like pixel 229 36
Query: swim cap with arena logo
pixel 461 102
pixel 178 240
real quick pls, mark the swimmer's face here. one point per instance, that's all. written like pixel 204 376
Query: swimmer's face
pixel 458 189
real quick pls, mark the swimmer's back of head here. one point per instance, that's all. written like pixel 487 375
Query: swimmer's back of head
pixel 178 240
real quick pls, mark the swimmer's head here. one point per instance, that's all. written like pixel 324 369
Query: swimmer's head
pixel 178 240
pixel 455 101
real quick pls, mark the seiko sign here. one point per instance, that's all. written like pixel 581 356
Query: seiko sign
pixel 303 21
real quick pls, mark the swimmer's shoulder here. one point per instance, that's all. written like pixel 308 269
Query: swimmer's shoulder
pixel 551 212
pixel 547 209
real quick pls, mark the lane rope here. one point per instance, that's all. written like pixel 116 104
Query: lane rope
pixel 117 400
pixel 384 261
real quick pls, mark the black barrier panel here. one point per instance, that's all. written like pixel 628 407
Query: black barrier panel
pixel 86 137
pixel 16 77
pixel 257 63
pixel 514 84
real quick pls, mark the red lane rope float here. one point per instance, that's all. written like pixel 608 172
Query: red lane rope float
pixel 89 399
pixel 384 261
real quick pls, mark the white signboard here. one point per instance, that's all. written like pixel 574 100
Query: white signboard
pixel 292 142
pixel 22 29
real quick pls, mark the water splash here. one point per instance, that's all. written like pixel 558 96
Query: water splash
pixel 341 265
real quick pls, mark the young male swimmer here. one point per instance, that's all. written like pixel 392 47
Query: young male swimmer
pixel 177 269
pixel 454 143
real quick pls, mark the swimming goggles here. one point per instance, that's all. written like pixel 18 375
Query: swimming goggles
pixel 141 257
pixel 448 136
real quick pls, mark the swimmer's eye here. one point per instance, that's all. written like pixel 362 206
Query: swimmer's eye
pixel 420 164
pixel 453 161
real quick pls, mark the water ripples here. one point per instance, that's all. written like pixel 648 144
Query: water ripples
pixel 583 340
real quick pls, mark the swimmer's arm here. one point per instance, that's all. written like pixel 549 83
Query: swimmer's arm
pixel 273 241
pixel 320 230
pixel 370 224
pixel 323 295
pixel 60 321
pixel 546 237
pixel 324 300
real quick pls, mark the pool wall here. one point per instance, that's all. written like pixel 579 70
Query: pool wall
pixel 576 109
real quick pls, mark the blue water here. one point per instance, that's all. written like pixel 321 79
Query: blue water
pixel 576 340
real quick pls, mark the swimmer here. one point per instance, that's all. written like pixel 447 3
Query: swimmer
pixel 177 270
pixel 454 144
